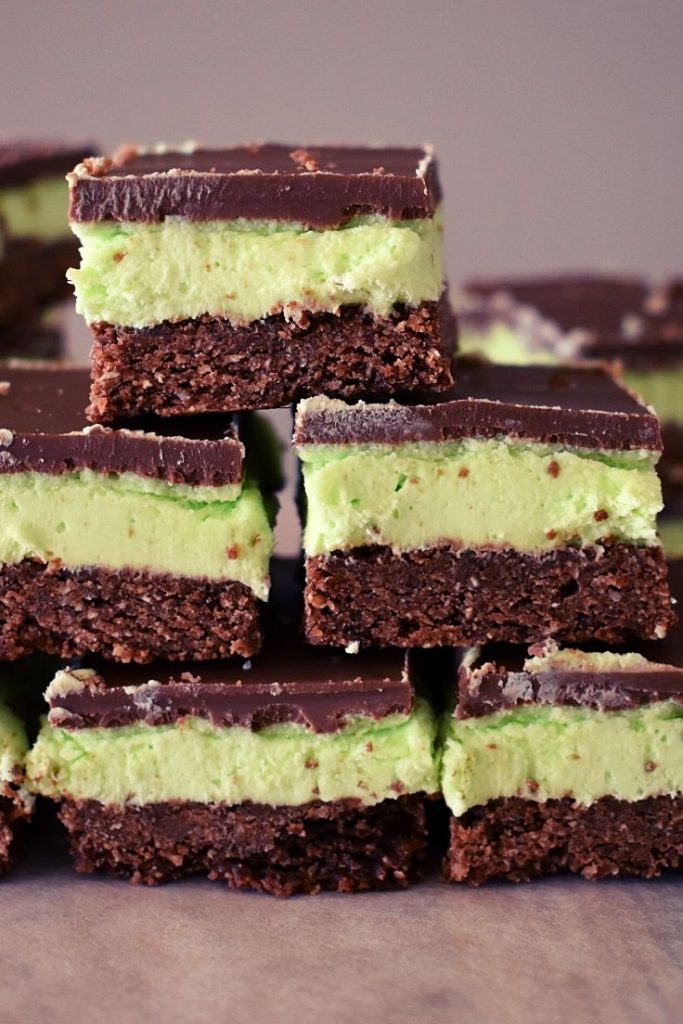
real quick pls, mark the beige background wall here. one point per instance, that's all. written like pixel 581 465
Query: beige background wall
pixel 558 121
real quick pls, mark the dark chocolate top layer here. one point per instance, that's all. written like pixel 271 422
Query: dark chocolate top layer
pixel 496 687
pixel 581 407
pixel 573 301
pixel 23 161
pixel 612 317
pixel 320 186
pixel 287 682
pixel 496 681
pixel 43 428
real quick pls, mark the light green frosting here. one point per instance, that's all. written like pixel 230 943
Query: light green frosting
pixel 502 344
pixel 142 274
pixel 662 389
pixel 671 534
pixel 547 753
pixel 283 764
pixel 475 493
pixel 87 519
pixel 13 745
pixel 38 209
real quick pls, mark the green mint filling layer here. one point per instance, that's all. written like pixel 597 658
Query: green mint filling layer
pixel 86 519
pixel 264 456
pixel 37 210
pixel 13 745
pixel 476 493
pixel 662 389
pixel 502 344
pixel 141 274
pixel 671 534
pixel 547 753
pixel 282 764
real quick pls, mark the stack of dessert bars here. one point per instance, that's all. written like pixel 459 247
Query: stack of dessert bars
pixel 290 725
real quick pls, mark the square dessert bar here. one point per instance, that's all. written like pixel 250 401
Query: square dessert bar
pixel 36 245
pixel 138 542
pixel 16 804
pixel 521 505
pixel 244 278
pixel 297 771
pixel 551 319
pixel 565 760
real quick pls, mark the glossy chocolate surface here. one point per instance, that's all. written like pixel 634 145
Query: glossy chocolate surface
pixel 320 186
pixel 25 161
pixel 43 428
pixel 577 406
pixel 288 681
pixel 495 680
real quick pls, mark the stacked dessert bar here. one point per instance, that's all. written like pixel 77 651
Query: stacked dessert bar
pixel 566 759
pixel 246 278
pixel 296 771
pixel 485 519
pixel 216 283
pixel 134 542
pixel 293 746
pixel 520 505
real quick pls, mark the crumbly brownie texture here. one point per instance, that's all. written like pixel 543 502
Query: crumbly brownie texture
pixel 449 596
pixel 33 276
pixel 123 614
pixel 338 846
pixel 520 839
pixel 208 365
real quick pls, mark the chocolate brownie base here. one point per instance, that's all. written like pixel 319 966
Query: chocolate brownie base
pixel 520 839
pixel 340 846
pixel 33 276
pixel 450 596
pixel 208 365
pixel 125 615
